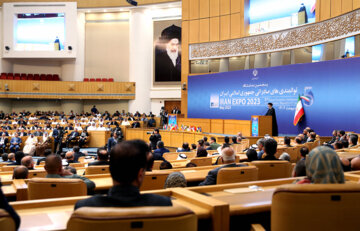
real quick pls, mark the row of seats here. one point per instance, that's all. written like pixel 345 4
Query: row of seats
pixel 98 80
pixel 23 76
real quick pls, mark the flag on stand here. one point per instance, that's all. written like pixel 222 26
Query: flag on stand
pixel 299 113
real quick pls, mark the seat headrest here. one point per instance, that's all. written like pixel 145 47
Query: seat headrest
pixel 318 188
pixel 54 180
pixel 98 213
pixel 270 162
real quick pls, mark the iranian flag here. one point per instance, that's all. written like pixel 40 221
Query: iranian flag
pixel 299 112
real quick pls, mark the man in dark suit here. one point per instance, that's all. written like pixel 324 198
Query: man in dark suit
pixel 271 112
pixel 3 142
pixel 57 137
pixel 128 162
pixel 312 137
pixel 112 141
pixel 73 135
pixel 158 153
pixel 152 122
pixel 102 158
pixel 155 138
pixel 15 143
pixel 77 153
pixel 175 111
pixel 113 122
pixel 38 132
pixel 3 131
pixel 228 158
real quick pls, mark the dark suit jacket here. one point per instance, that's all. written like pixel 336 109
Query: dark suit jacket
pixel 99 162
pixel 77 155
pixel 5 205
pixel 161 151
pixel 267 157
pixel 164 68
pixel 124 196
pixel 212 175
pixel 111 143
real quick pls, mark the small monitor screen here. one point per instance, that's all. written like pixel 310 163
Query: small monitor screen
pixel 39 32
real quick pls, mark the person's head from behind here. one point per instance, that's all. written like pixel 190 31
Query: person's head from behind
pixel 234 139
pixel 323 166
pixel 128 162
pixel 270 147
pixel 160 144
pixel 304 151
pixel 201 152
pixel 156 131
pixel 53 164
pixel 345 143
pixel 205 138
pixel 227 140
pixel 200 143
pixel 212 140
pixel 18 157
pixel 165 165
pixel 298 140
pixel 206 145
pixel 193 146
pixel 20 172
pixel 190 165
pixel 353 139
pixel 4 157
pixel 175 180
pixel 76 149
pixel 102 154
pixel 287 140
pixel 69 155
pixel 47 152
pixel 355 164
pixel 251 155
pixel 28 162
pixel 338 145
pixel 228 155
pixel 11 157
pixel 284 156
pixel 313 135
pixel 238 139
pixel 185 146
pixel 341 133
pixel 260 143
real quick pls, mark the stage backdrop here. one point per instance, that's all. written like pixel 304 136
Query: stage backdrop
pixel 332 88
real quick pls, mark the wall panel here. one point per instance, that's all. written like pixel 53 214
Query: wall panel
pixel 194 9
pixel 204 8
pixel 335 8
pixel 325 9
pixel 356 4
pixel 214 8
pixel 346 6
pixel 204 30
pixel 225 27
pixel 215 29
pixel 235 25
pixel 236 6
pixel 224 7
pixel 185 9
pixel 194 31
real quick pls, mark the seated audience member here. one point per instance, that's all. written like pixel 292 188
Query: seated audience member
pixel 72 137
pixel 190 165
pixel 184 148
pixel 207 146
pixel 234 140
pixel 345 164
pixel 338 145
pixel 200 144
pixel 165 165
pixel 128 162
pixel 28 162
pixel 175 180
pixel 102 158
pixel 228 158
pixel 260 143
pixel 20 172
pixel 300 168
pixel 71 169
pixel 46 153
pixel 112 141
pixel 226 140
pixel 70 158
pixel 312 137
pixel 341 134
pixel 18 157
pixel 151 123
pixel 5 206
pixel 4 157
pixel 11 158
pixel 287 141
pixel 54 169
pixel 270 148
pixel 77 153
pixel 251 155
pixel 30 145
pixel 240 135
pixel 334 137
pixel 285 156
pixel 323 166
pixel 38 132
pixel 160 149
pixel 345 143
pixel 125 122
pixel 15 143
pixel 213 144
pixel 205 139
pixel 201 152
pixel 355 164
pixel 3 142
pixel 298 141
pixel 193 147
pixel 353 140
pixel 83 137
pixel 44 144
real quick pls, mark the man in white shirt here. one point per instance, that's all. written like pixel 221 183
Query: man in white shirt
pixel 101 128
pixel 92 127
pixel 125 122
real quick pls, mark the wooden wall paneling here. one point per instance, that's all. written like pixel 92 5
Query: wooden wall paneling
pixel 346 6
pixel 232 127
pixel 194 9
pixel 325 9
pixel 185 9
pixel 165 137
pixel 204 30
pixel 204 8
pixel 194 31
pixel 235 20
pixel 184 64
pixel 225 27
pixel 335 8
pixel 224 7
pixel 189 138
pixel 356 4
pixel 217 126
pixel 214 29
pixel 214 8
pixel 176 139
pixel 169 105
pixel 235 6
pixel 317 11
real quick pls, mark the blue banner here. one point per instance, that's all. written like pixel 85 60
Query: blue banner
pixel 330 89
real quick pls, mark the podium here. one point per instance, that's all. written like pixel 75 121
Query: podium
pixel 261 125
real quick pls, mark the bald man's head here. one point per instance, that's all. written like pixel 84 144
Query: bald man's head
pixel 53 164
pixel 28 162
pixel 69 155
pixel 355 164
pixel 20 172
pixel 228 155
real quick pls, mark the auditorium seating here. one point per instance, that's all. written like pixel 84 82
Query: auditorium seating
pixel 42 188
pixel 91 170
pixel 37 173
pixel 202 161
pixel 174 218
pixel 237 174
pixel 320 207
pixel 6 222
pixel 272 169
pixel 23 76
pixel 153 181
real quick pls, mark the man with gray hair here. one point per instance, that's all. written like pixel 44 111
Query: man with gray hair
pixel 28 162
pixel 228 157
pixel 260 143
pixel 20 172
